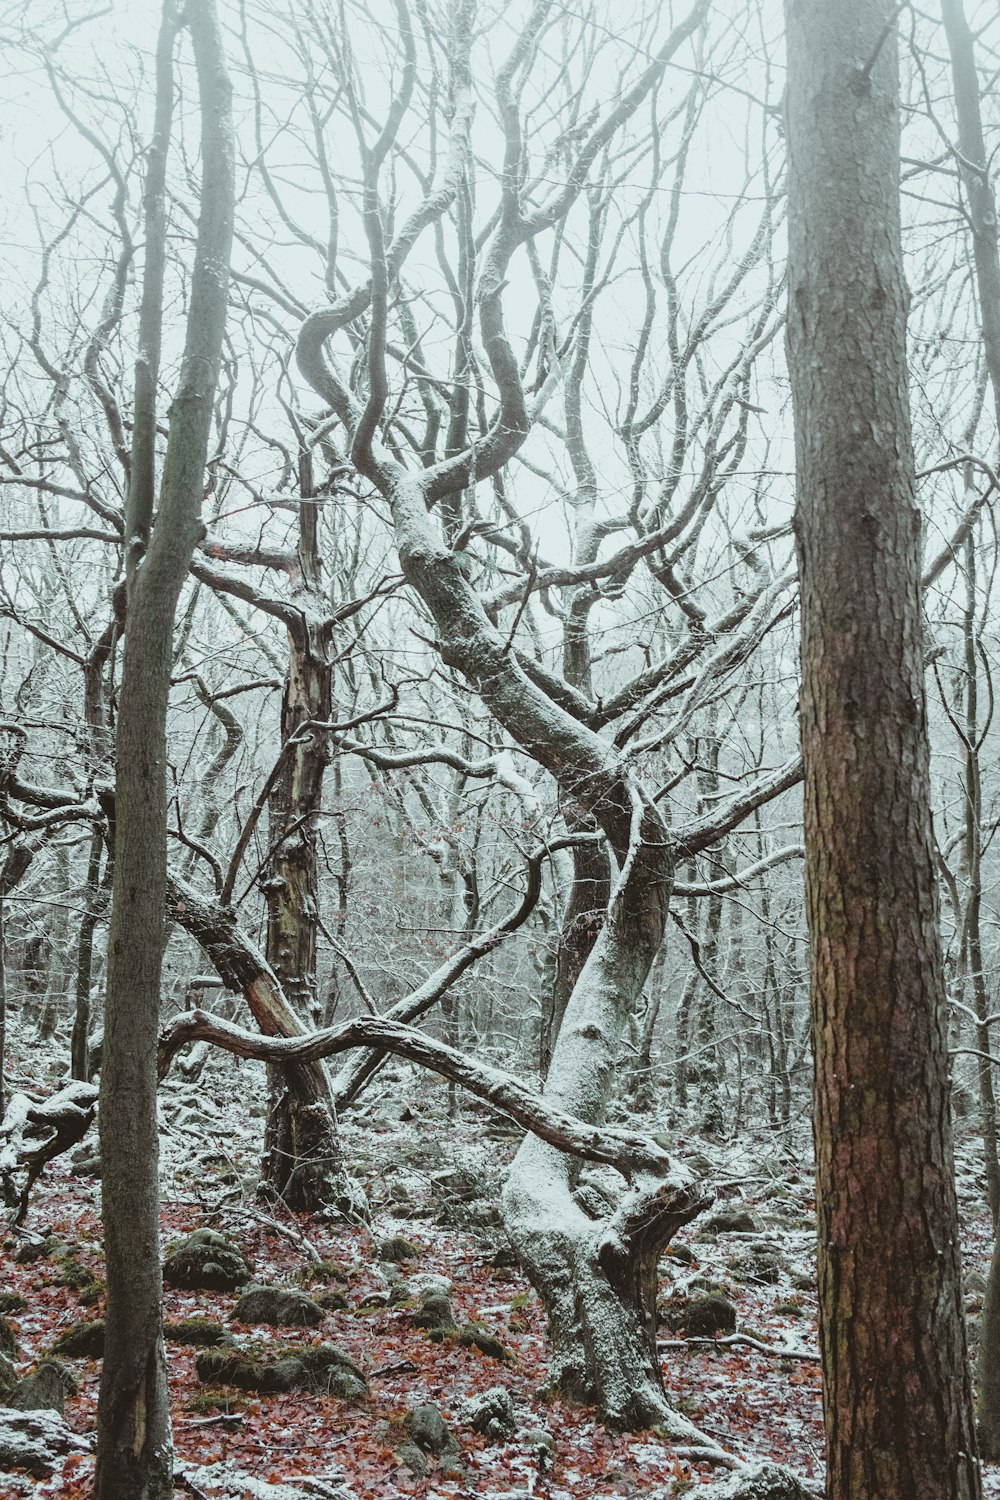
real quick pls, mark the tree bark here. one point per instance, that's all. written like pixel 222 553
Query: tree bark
pixel 302 1156
pixel 134 1454
pixel 897 1397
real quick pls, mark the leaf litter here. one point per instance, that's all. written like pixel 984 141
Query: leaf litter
pixel 236 1445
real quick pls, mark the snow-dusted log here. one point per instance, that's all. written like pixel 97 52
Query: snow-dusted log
pixel 34 1132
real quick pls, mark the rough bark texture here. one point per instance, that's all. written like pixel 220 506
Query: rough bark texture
pixel 302 1156
pixel 897 1391
pixel 134 1456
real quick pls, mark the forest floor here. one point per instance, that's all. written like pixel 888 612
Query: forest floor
pixel 756 1403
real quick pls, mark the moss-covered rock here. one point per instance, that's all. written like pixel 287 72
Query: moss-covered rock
pixel 82 1340
pixel 279 1306
pixel 731 1221
pixel 12 1302
pixel 8 1338
pixel 44 1388
pixel 427 1429
pixel 761 1482
pixel 491 1413
pixel 33 1250
pixel 320 1369
pixel 762 1264
pixel 435 1311
pixel 323 1272
pixel 701 1317
pixel 332 1301
pixel 72 1272
pixel 199 1333
pixel 206 1260
pixel 397 1249
pixel 8 1378
pixel 472 1336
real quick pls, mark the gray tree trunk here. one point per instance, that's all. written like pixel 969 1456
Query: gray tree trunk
pixel 134 1455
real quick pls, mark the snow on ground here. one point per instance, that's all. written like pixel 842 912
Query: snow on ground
pixel 233 1444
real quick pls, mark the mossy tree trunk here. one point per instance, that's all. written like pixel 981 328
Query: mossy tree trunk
pixel 897 1397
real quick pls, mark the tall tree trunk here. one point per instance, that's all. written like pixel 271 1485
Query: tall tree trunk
pixel 14 868
pixel 80 1041
pixel 897 1395
pixel 134 1454
pixel 57 968
pixel 302 1156
pixel 982 219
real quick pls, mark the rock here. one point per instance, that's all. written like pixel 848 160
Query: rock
pixel 12 1302
pixel 504 1258
pixel 320 1369
pixel 324 1271
pixel 397 1249
pixel 82 1340
pixel 973 1280
pixel 475 1336
pixel 427 1429
pixel 682 1253
pixel 429 1281
pixel 731 1221
pixel 206 1260
pixel 282 1307
pixel 85 1161
pixel 8 1378
pixel 456 1183
pixel 462 1199
pixel 33 1250
pixel 72 1272
pixel 36 1441
pixel 409 1454
pixel 762 1264
pixel 435 1312
pixel 701 1317
pixel 199 1333
pixel 539 1442
pixel 331 1301
pixel 761 1482
pixel 8 1338
pixel 491 1413
pixel 45 1388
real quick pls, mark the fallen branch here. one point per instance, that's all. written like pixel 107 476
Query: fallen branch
pixel 632 1154
pixel 809 1355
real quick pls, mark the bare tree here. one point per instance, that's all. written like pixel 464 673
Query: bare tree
pixel 134 1451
